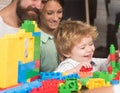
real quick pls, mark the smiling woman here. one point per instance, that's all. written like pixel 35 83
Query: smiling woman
pixel 50 18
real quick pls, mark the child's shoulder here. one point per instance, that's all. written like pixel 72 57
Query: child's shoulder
pixel 99 60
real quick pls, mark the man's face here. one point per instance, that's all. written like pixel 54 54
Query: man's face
pixel 29 9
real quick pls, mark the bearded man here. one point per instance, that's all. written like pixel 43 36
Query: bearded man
pixel 16 12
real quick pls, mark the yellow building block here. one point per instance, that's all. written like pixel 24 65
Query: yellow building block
pixel 26 46
pixel 13 48
pixel 36 29
pixel 8 61
pixel 95 83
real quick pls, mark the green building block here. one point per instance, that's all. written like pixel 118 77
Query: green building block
pixel 32 73
pixel 63 89
pixel 112 49
pixel 36 45
pixel 72 84
pixel 84 81
pixel 113 64
pixel 111 76
pixel 28 26
pixel 102 75
pixel 118 65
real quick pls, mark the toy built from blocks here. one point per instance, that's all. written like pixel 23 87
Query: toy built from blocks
pixel 20 62
pixel 20 55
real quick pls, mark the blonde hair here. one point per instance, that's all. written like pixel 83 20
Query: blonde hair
pixel 69 33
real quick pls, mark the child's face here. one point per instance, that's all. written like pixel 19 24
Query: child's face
pixel 83 50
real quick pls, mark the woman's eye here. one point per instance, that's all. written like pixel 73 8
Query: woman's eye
pixel 59 11
pixel 49 13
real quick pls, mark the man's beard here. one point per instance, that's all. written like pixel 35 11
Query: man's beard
pixel 23 13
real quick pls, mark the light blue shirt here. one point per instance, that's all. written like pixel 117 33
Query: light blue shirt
pixel 49 57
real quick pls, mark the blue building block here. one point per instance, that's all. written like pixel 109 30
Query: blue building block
pixel 71 76
pixel 25 88
pixel 36 34
pixel 22 70
pixel 50 75
pixel 113 82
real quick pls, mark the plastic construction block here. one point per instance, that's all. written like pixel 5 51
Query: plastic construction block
pixel 48 86
pixel 95 83
pixel 112 49
pixel 113 64
pixel 28 26
pixel 27 66
pixel 85 74
pixel 11 52
pixel 70 76
pixel 26 71
pixel 69 86
pixel 110 68
pixel 34 78
pixel 72 84
pixel 2 89
pixel 103 75
pixel 25 88
pixel 37 38
pixel 31 73
pixel 84 81
pixel 114 82
pixel 26 46
pixel 37 64
pixel 50 75
pixel 112 57
pixel 84 69
pixel 64 89
pixel 8 60
pixel 117 77
pixel 118 65
pixel 36 28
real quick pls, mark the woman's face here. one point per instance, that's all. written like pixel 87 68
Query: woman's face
pixel 51 15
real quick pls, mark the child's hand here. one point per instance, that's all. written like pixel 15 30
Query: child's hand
pixel 85 65
pixel 118 56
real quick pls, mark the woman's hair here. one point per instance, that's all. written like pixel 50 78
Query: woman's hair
pixel 69 33
pixel 61 2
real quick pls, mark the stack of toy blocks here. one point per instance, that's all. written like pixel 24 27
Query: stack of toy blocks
pixel 20 55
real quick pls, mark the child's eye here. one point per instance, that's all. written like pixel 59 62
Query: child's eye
pixel 82 47
pixel 91 44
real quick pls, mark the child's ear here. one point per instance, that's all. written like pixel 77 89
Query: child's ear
pixel 67 55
